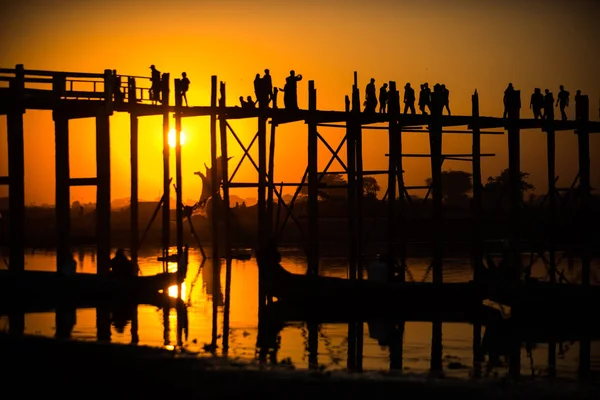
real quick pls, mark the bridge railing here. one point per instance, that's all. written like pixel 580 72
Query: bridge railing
pixel 82 86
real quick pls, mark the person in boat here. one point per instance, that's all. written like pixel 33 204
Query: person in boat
pixel 379 270
pixel 69 266
pixel 121 266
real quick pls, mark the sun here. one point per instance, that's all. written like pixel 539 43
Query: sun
pixel 172 138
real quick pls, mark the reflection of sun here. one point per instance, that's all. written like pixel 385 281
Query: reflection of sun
pixel 173 291
pixel 172 138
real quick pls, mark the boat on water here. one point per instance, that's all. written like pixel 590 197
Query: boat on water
pixel 321 297
pixel 236 254
pixel 27 289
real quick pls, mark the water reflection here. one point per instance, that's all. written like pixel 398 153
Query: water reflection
pixel 452 349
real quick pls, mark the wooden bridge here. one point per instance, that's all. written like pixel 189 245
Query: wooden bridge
pixel 71 95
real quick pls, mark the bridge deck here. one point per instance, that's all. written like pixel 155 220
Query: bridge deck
pixel 85 104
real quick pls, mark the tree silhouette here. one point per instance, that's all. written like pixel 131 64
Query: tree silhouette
pixel 329 192
pixel 370 187
pixel 455 185
pixel 500 183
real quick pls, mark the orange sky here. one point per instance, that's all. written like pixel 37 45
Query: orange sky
pixel 464 44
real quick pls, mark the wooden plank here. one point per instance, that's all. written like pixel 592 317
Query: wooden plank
pixel 83 181
pixel 37 72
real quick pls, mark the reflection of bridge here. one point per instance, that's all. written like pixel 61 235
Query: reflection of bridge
pixel 71 95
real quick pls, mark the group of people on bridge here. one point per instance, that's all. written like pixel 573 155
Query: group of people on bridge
pixel 265 92
pixel 435 101
pixel 545 102
pixel 156 81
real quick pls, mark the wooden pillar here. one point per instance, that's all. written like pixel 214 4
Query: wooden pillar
pixel 63 192
pixel 551 226
pixel 225 170
pixel 178 177
pixel 513 106
pixel 134 200
pixel 514 176
pixel 271 180
pixel 313 180
pixel 477 206
pixel 476 212
pixel 435 144
pixel 16 173
pixel 103 210
pixel 401 248
pixel 583 141
pixel 393 136
pixel 166 207
pixel 359 201
pixel 351 171
pixel 226 214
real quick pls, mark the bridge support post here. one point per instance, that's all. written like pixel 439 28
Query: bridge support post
pixel 513 105
pixel 63 192
pixel 583 141
pixel 134 206
pixel 16 173
pixel 313 179
pixel 178 179
pixel 103 210
pixel 166 207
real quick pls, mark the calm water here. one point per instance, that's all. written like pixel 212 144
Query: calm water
pixel 457 360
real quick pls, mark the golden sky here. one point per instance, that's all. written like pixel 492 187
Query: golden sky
pixel 467 45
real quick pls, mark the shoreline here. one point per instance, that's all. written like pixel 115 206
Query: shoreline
pixel 122 371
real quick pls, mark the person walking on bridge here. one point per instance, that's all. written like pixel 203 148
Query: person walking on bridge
pixel 155 85
pixel 563 101
pixel 185 86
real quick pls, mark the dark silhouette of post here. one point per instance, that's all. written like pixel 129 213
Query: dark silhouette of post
pixel 435 145
pixel 476 213
pixel 16 172
pixel 583 141
pixel 513 107
pixel 178 177
pixel 551 178
pixel 214 215
pixel 166 207
pixel 393 138
pixel 134 200
pixel 477 204
pixel 62 173
pixel 226 213
pixel 103 210
pixel 313 180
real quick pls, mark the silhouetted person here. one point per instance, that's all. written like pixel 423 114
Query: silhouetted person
pixel 118 95
pixel 121 266
pixel 409 99
pixel 548 105
pixel 290 91
pixel 537 103
pixel 426 97
pixel 69 266
pixel 155 85
pixel 185 86
pixel 267 86
pixel 563 101
pixel 423 98
pixel 509 89
pixel 437 101
pixel 446 98
pixel 258 88
pixel 370 97
pixel 243 102
pixel 250 103
pixel 383 98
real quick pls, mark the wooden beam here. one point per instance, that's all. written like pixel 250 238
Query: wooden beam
pixel 83 181
pixel 417 155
